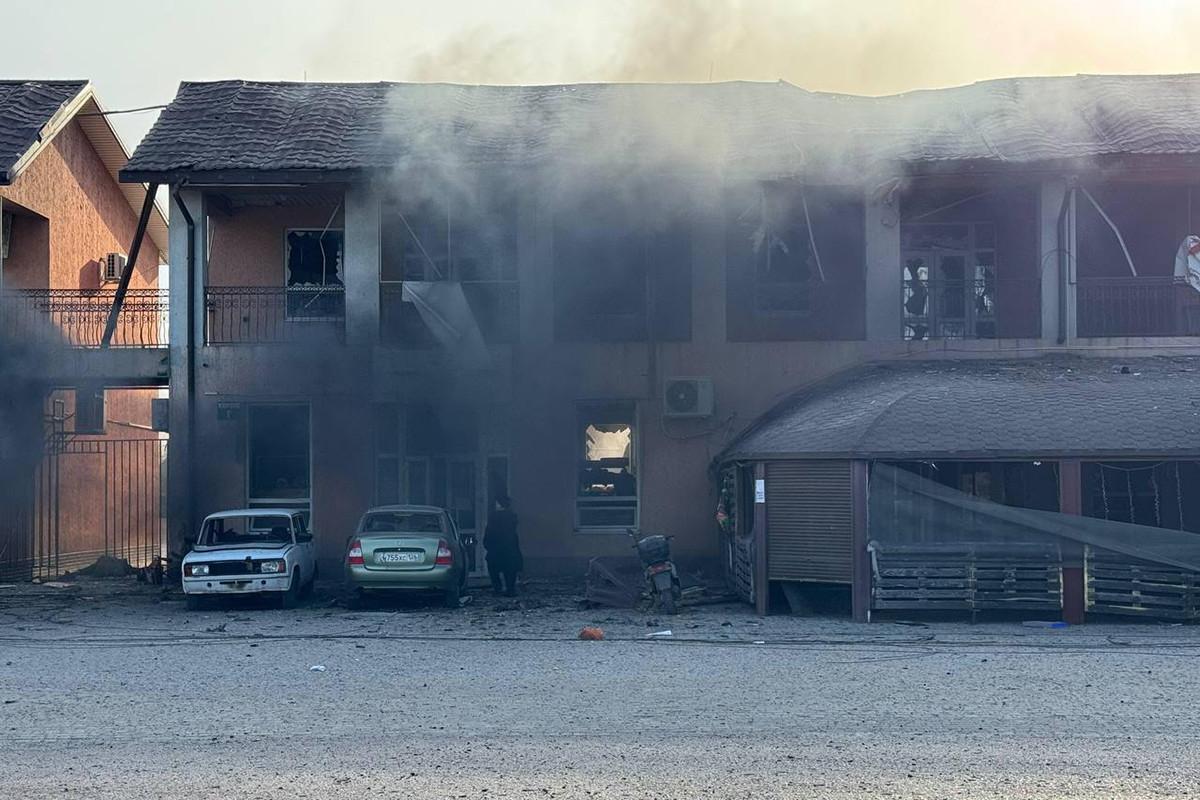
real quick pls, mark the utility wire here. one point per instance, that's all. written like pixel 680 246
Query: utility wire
pixel 121 111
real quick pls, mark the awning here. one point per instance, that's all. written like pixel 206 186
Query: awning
pixel 1144 407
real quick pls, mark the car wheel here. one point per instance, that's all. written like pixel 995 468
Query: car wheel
pixel 289 598
pixel 453 597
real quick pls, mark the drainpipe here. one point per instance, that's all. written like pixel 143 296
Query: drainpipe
pixel 1064 263
pixel 110 327
pixel 191 355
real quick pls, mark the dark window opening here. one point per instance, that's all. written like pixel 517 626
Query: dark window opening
pixel 795 266
pixel 314 275
pixel 618 279
pixel 473 243
pixel 279 454
pixel 607 483
pixel 6 225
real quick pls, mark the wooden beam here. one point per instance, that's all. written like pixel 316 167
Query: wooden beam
pixel 119 298
pixel 762 586
pixel 1070 501
pixel 860 585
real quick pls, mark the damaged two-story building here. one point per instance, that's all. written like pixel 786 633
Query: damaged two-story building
pixel 587 297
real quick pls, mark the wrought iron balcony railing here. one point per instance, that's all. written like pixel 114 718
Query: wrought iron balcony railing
pixel 1129 306
pixel 77 317
pixel 274 314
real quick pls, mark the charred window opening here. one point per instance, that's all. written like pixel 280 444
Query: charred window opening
pixel 786 261
pixel 607 482
pixel 314 274
pixel 472 242
pixel 795 267
pixel 618 278
pixel 278 449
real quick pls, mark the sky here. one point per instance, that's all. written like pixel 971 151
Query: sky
pixel 136 51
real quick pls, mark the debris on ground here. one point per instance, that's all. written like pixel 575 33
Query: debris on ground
pixel 613 582
pixel 216 628
pixel 591 634
pixel 1043 623
pixel 659 634
pixel 317 668
pixel 104 567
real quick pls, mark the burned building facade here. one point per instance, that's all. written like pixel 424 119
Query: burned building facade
pixel 580 296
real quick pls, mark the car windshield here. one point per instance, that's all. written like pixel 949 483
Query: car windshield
pixel 249 530
pixel 405 521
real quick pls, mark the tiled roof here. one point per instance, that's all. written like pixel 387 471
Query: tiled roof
pixel 767 127
pixel 25 109
pixel 988 409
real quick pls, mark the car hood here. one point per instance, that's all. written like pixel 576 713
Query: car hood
pixel 209 555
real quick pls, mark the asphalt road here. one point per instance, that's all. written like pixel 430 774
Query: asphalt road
pixel 138 698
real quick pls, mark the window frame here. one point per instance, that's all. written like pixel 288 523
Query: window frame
pixel 303 503
pixel 581 423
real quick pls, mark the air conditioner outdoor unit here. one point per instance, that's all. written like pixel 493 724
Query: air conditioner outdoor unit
pixel 111 267
pixel 89 409
pixel 688 397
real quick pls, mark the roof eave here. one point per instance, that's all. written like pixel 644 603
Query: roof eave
pixel 242 177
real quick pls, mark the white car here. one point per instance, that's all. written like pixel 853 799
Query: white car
pixel 251 551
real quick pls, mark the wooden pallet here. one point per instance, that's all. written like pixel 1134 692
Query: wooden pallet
pixel 968 576
pixel 1120 584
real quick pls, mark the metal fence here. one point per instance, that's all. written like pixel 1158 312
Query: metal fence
pixel 1142 306
pixel 76 317
pixel 274 314
pixel 987 308
pixel 86 498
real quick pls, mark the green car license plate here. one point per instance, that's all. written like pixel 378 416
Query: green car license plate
pixel 397 558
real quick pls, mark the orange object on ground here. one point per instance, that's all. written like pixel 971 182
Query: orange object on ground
pixel 591 634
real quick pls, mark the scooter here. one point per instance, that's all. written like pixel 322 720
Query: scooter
pixel 661 577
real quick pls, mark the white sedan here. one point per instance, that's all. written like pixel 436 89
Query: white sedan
pixel 259 550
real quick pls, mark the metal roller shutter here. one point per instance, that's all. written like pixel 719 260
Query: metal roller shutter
pixel 808 521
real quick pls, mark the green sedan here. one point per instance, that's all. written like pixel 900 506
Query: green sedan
pixel 406 548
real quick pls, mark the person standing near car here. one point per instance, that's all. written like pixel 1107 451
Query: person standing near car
pixel 503 548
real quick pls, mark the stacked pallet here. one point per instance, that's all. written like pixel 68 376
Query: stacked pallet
pixel 966 576
pixel 1120 584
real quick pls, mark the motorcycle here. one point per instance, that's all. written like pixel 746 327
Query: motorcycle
pixel 661 578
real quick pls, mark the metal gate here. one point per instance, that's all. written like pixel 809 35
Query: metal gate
pixel 88 497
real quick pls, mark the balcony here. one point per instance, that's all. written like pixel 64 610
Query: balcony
pixel 1142 306
pixel 77 318
pixel 986 308
pixel 253 315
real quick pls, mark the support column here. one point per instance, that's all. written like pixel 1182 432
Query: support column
pixel 1056 259
pixel 362 266
pixel 885 272
pixel 762 586
pixel 1070 501
pixel 860 586
pixel 187 279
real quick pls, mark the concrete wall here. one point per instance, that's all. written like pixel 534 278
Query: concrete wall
pixel 527 404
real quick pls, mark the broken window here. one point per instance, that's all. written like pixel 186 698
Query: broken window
pixel 619 279
pixel 278 450
pixel 607 483
pixel 473 242
pixel 795 265
pixel 949 280
pixel 314 275
pixel 786 261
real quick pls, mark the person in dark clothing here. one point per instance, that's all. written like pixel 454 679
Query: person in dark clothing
pixel 503 548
